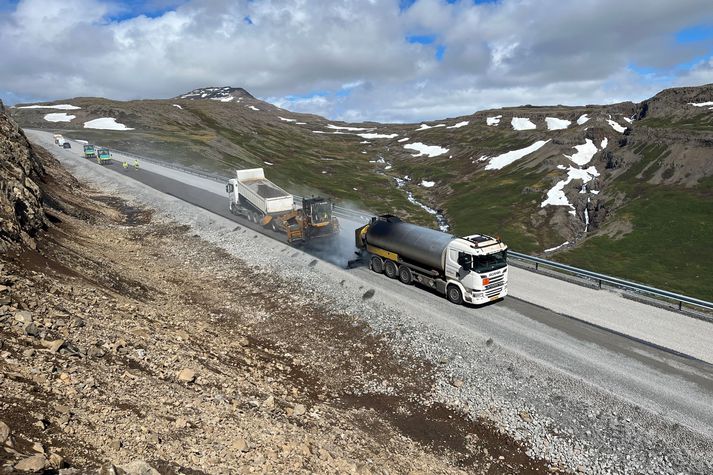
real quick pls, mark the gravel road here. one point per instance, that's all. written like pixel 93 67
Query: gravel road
pixel 578 394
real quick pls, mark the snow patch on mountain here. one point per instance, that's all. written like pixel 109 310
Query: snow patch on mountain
pixel 286 120
pixel 584 154
pixel 405 139
pixel 616 126
pixel 494 121
pixel 253 108
pixel 68 107
pixel 459 125
pixel 522 123
pixel 554 123
pixel 583 119
pixel 605 142
pixel 701 104
pixel 351 129
pixel 176 105
pixel 377 136
pixel 426 126
pixel 427 184
pixel 423 149
pixel 556 196
pixel 501 161
pixel 105 123
pixel 59 117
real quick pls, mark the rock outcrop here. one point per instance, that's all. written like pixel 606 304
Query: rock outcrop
pixel 21 213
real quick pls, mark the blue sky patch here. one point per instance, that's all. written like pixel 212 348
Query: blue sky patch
pixel 421 39
pixel 695 34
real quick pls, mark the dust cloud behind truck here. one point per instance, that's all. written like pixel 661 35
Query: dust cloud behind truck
pixel 470 269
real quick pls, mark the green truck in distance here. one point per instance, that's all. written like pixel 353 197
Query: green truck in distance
pixel 89 151
pixel 103 156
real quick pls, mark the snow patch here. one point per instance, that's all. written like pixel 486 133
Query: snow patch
pixel 557 247
pixel 378 136
pixel 253 108
pixel 222 99
pixel 427 184
pixel 267 163
pixel 616 126
pixel 405 139
pixel 177 105
pixel 582 119
pixel 584 154
pixel 286 120
pixel 459 125
pixel 556 196
pixel 494 121
pixel 557 124
pixel 105 123
pixel 701 104
pixel 59 117
pixel 627 119
pixel 501 161
pixel 351 129
pixel 426 126
pixel 67 107
pixel 605 142
pixel 423 149
pixel 522 123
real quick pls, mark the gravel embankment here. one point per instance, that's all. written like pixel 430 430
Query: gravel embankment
pixel 563 416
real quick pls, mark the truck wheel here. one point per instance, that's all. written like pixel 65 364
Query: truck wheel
pixel 454 294
pixel 377 265
pixel 405 275
pixel 273 224
pixel 391 270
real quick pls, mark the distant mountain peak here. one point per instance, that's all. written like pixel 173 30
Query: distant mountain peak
pixel 223 94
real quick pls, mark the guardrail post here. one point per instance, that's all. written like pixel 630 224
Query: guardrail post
pixel 537 265
pixel 680 304
pixel 600 283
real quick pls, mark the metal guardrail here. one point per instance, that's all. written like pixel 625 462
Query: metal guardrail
pixel 600 279
pixel 614 281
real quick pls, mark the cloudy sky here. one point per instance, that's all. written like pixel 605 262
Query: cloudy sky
pixel 386 60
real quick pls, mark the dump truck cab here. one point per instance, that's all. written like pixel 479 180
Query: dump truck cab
pixel 89 151
pixel 103 156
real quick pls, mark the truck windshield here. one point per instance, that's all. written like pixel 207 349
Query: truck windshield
pixel 490 262
pixel 321 212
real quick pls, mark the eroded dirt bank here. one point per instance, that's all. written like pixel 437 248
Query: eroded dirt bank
pixel 125 339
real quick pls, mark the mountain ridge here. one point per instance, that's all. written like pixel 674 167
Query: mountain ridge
pixel 595 165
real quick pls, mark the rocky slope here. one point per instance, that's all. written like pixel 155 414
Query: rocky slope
pixel 121 352
pixel 21 213
pixel 587 181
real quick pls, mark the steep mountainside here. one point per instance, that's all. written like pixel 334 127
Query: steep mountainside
pixel 21 212
pixel 626 186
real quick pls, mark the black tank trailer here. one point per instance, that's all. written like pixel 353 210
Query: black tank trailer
pixel 471 269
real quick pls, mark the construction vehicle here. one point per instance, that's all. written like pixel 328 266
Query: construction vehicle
pixel 89 151
pixel 261 201
pixel 103 156
pixel 470 269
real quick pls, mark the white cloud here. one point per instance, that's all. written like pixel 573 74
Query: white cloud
pixel 349 59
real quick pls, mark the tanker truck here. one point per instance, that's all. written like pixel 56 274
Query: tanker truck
pixel 259 200
pixel 470 269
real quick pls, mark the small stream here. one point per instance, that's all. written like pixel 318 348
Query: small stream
pixel 440 218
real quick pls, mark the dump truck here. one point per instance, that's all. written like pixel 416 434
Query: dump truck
pixel 470 269
pixel 103 156
pixel 89 151
pixel 259 200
